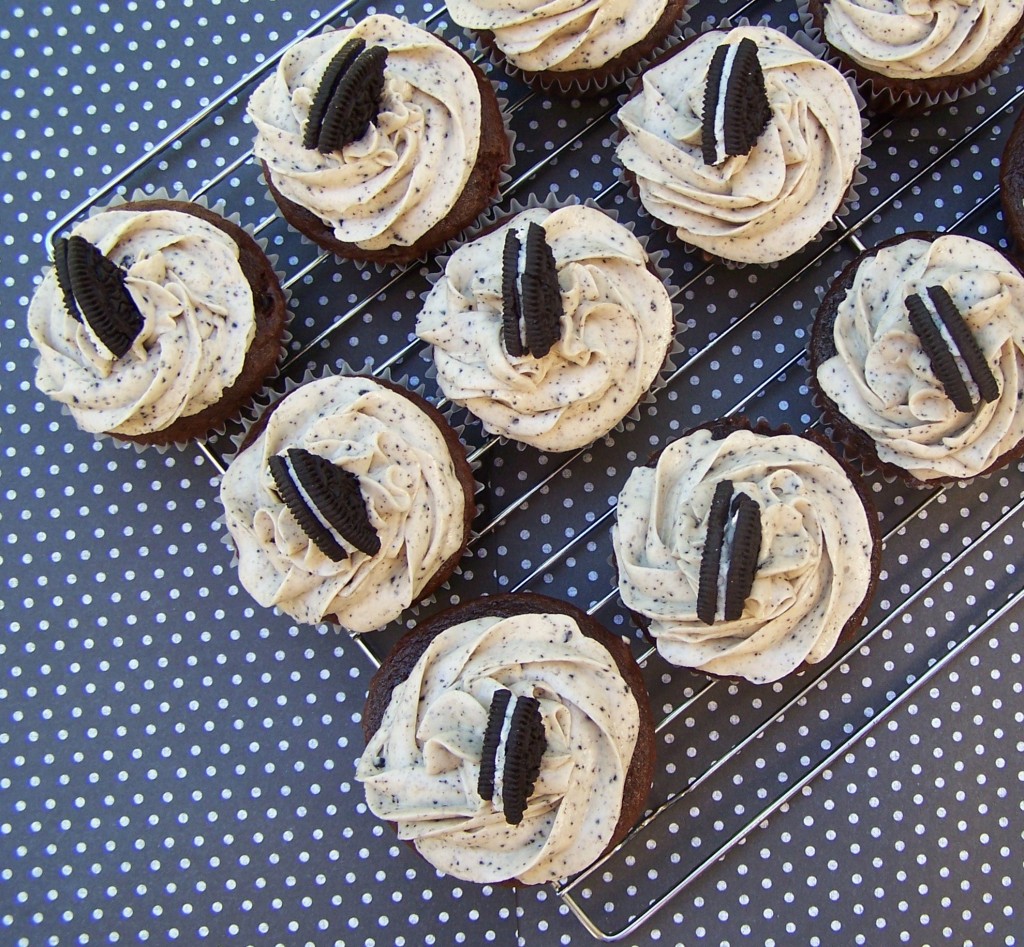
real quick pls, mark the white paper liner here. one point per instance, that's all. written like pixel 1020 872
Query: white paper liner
pixel 849 199
pixel 219 208
pixel 497 217
pixel 599 82
pixel 271 396
pixel 504 172
pixel 878 94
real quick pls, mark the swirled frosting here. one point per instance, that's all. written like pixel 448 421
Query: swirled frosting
pixel 420 769
pixel 881 380
pixel 920 39
pixel 184 276
pixel 814 567
pixel 540 36
pixel 755 208
pixel 617 325
pixel 409 168
pixel 414 500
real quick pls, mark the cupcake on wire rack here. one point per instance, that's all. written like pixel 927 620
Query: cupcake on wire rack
pixel 746 551
pixel 349 500
pixel 575 47
pixel 379 141
pixel 910 55
pixel 509 739
pixel 743 142
pixel 158 322
pixel 917 357
pixel 551 326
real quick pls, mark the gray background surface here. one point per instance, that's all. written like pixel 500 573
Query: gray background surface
pixel 176 763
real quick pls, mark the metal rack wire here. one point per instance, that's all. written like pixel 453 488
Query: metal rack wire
pixel 844 234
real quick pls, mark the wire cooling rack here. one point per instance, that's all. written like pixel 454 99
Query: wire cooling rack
pixel 741 343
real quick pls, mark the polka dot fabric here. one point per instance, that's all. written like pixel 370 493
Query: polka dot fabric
pixel 177 763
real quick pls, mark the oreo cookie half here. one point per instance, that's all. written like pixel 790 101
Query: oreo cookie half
pixel 531 315
pixel 341 61
pixel 94 293
pixel 743 544
pixel 326 502
pixel 523 752
pixel 711 557
pixel 492 736
pixel 347 99
pixel 525 744
pixel 926 315
pixel 744 551
pixel 736 107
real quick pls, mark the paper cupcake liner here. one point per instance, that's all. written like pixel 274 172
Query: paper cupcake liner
pixel 219 208
pixel 496 217
pixel 850 198
pixel 880 96
pixel 270 397
pixel 504 171
pixel 600 81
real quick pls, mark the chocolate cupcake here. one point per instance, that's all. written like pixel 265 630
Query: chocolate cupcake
pixel 746 552
pixel 379 141
pixel 349 500
pixel 509 739
pixel 1011 185
pixel 909 56
pixel 550 327
pixel 917 356
pixel 742 142
pixel 158 322
pixel 576 48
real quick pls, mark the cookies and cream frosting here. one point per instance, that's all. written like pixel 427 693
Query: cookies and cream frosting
pixel 421 767
pixel 814 567
pixel 617 325
pixel 541 36
pixel 184 276
pixel 410 167
pixel 881 380
pixel 920 39
pixel 413 496
pixel 754 208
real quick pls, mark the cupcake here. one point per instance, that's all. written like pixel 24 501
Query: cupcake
pixel 550 327
pixel 349 500
pixel 743 142
pixel 911 54
pixel 157 323
pixel 1011 184
pixel 745 552
pixel 379 141
pixel 576 47
pixel 509 739
pixel 917 355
